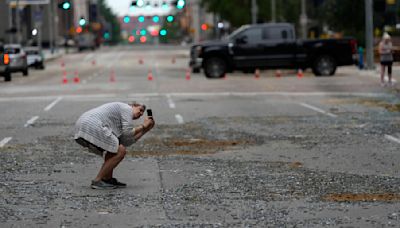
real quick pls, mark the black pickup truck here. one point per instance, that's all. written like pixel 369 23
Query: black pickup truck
pixel 271 46
pixel 4 61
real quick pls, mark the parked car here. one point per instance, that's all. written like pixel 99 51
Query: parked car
pixel 4 61
pixel 35 57
pixel 271 45
pixel 18 59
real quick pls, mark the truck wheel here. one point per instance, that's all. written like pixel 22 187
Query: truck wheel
pixel 196 70
pixel 7 76
pixel 25 72
pixel 214 67
pixel 324 65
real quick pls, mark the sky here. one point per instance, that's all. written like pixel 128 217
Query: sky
pixel 122 8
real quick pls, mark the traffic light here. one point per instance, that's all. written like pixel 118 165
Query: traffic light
pixel 143 32
pixel 65 5
pixel 141 19
pixel 127 19
pixel 106 35
pixel 163 32
pixel 170 18
pixel 156 19
pixel 164 6
pixel 204 27
pixel 82 21
pixel 180 4
pixel 139 3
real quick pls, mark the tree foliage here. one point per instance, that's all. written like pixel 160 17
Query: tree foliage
pixel 110 18
pixel 346 16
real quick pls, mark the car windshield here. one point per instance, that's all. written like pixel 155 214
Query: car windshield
pixel 32 52
pixel 236 32
pixel 12 50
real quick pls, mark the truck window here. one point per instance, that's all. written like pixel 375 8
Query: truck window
pixel 276 33
pixel 254 35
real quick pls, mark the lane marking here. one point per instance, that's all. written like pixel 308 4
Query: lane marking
pixel 31 121
pixel 318 110
pixel 170 102
pixel 52 104
pixel 5 141
pixel 179 118
pixel 135 95
pixel 393 139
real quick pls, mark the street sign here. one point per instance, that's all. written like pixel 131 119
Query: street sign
pixel 28 2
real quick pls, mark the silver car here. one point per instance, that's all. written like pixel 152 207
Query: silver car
pixel 18 58
pixel 35 57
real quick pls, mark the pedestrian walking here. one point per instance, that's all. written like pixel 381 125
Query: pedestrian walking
pixel 386 58
pixel 106 131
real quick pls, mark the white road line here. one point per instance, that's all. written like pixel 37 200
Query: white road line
pixel 179 118
pixel 391 138
pixel 318 110
pixel 52 104
pixel 31 121
pixel 170 101
pixel 5 141
pixel 136 95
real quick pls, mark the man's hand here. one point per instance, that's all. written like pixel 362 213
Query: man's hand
pixel 148 123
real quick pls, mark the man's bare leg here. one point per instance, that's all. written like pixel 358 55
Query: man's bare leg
pixel 110 163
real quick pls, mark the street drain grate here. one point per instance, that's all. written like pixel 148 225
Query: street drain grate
pixel 362 197
pixel 186 147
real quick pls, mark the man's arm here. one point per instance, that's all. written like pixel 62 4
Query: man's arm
pixel 143 129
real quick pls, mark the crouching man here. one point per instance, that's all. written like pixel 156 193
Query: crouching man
pixel 106 131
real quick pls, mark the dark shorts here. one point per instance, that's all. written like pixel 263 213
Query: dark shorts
pixel 387 63
pixel 91 147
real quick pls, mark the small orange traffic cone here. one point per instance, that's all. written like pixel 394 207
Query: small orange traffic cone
pixel 76 77
pixel 141 61
pixel 173 60
pixel 94 62
pixel 278 73
pixel 257 74
pixel 224 77
pixel 112 76
pixel 150 76
pixel 62 63
pixel 300 73
pixel 187 76
pixel 64 78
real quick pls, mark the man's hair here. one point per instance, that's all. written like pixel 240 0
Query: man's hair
pixel 135 104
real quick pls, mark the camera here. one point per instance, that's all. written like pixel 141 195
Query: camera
pixel 149 112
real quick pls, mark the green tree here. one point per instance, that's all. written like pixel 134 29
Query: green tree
pixel 110 17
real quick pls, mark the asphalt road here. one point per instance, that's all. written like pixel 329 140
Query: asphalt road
pixel 235 152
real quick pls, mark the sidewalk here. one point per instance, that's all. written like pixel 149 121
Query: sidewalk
pixel 375 73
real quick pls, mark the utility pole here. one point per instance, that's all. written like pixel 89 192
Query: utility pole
pixel 10 25
pixel 55 23
pixel 17 22
pixel 273 11
pixel 196 20
pixel 303 20
pixel 51 25
pixel 254 11
pixel 369 36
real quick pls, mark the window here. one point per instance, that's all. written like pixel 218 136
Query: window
pixel 13 50
pixel 276 33
pixel 254 35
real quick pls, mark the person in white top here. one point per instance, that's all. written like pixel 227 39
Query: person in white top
pixel 107 130
pixel 386 58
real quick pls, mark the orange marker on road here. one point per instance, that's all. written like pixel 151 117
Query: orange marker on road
pixel 150 76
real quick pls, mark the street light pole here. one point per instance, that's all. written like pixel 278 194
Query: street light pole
pixel 254 11
pixel 369 36
pixel 303 19
pixel 273 11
